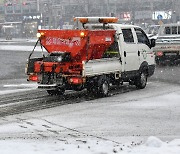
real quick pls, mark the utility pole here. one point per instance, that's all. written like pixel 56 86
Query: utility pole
pixel 38 6
pixel 152 9
pixel 108 7
pixel 173 17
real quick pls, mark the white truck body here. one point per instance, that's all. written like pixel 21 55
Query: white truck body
pixel 102 66
pixel 132 54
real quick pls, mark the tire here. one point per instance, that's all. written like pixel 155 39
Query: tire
pixel 92 87
pixel 103 86
pixel 56 92
pixel 78 87
pixel 158 62
pixel 98 87
pixel 141 80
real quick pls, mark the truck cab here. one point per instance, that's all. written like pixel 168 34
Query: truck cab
pixel 132 50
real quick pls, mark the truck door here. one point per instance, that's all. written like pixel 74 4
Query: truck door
pixel 130 51
pixel 143 43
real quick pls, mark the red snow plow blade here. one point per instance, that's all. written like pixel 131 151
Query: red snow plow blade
pixel 82 44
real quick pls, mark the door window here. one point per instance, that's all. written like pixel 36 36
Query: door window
pixel 142 37
pixel 178 29
pixel 128 36
pixel 174 30
pixel 167 30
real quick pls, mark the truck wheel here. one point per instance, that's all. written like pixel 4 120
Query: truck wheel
pixel 92 88
pixel 56 92
pixel 141 80
pixel 103 86
pixel 78 87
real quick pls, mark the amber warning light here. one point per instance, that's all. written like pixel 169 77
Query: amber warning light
pixel 85 20
pixel 39 35
pixel 82 34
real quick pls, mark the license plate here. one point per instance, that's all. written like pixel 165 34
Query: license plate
pixel 171 54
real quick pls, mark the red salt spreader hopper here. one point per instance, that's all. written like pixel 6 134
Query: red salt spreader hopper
pixel 83 45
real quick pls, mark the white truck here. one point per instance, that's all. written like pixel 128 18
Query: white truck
pixel 167 48
pixel 98 54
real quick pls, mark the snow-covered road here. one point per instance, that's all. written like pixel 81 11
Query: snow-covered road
pixel 121 123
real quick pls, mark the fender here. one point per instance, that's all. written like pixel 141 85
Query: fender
pixel 146 67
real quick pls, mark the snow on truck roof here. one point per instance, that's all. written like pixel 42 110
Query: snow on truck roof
pixel 126 25
pixel 109 26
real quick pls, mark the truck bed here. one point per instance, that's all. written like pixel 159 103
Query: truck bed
pixel 102 66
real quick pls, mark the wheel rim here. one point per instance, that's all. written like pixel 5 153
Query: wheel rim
pixel 105 88
pixel 143 79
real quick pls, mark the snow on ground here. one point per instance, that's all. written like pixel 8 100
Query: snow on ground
pixel 39 136
pixel 18 40
pixel 13 91
pixel 31 85
pixel 19 48
pixel 13 88
pixel 153 145
pixel 13 47
pixel 10 143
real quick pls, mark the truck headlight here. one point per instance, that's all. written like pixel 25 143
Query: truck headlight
pixel 59 59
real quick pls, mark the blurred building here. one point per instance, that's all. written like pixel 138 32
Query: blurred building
pixel 22 15
pixel 131 11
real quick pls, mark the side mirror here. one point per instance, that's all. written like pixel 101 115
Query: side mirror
pixel 153 42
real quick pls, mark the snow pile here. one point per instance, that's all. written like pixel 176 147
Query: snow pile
pixel 79 146
pixel 156 146
pixel 154 142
